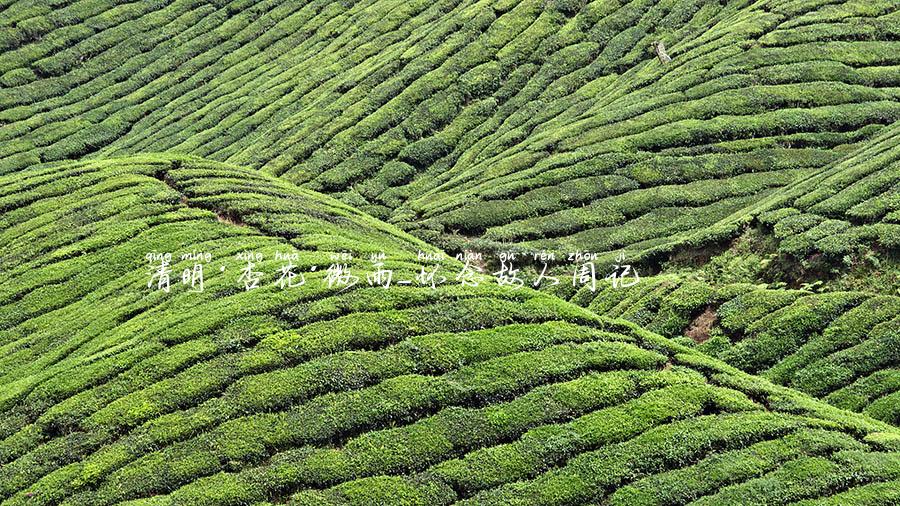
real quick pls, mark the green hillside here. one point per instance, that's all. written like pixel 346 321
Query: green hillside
pixel 546 123
pixel 233 240
pixel 838 346
pixel 320 395
pixel 854 203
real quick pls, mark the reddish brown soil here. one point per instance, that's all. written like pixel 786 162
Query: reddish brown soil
pixel 701 327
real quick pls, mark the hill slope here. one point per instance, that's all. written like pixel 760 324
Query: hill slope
pixel 837 346
pixel 854 203
pixel 544 123
pixel 321 395
pixel 308 153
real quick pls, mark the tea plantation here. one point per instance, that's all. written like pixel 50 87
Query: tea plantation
pixel 855 202
pixel 229 234
pixel 545 123
pixel 357 395
pixel 838 346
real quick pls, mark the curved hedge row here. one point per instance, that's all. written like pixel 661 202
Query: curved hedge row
pixel 111 392
pixel 849 209
pixel 840 346
pixel 471 123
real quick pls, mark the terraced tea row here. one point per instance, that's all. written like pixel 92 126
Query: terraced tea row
pixel 853 206
pixel 111 391
pixel 546 124
pixel 842 347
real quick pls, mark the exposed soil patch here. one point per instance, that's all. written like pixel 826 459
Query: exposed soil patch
pixel 229 217
pixel 700 328
pixel 223 215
